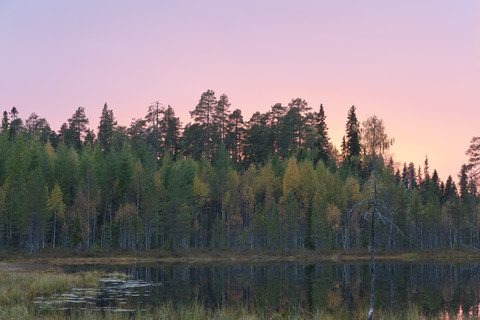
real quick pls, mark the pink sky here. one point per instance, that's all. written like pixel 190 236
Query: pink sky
pixel 415 64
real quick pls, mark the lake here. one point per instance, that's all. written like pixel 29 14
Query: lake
pixel 435 289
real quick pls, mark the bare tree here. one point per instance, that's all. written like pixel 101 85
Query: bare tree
pixel 375 144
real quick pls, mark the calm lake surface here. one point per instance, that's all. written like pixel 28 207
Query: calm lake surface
pixel 436 289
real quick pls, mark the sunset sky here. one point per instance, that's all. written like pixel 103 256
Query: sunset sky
pixel 414 64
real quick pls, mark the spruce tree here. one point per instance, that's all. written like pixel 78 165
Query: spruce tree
pixel 5 122
pixel 352 141
pixel 105 128
pixel 323 142
pixel 353 135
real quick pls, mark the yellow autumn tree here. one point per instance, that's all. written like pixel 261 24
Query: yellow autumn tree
pixel 57 209
pixel 291 178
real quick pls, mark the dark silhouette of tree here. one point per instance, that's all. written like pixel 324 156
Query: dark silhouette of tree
pixel 220 118
pixel 170 132
pixel 105 128
pixel 323 140
pixel 352 141
pixel 77 129
pixel 235 135
pixel 5 122
pixel 192 141
pixel 38 128
pixel 152 120
pixel 16 123
pixel 256 147
pixel 203 116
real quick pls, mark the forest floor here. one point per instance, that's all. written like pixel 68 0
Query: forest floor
pixel 51 258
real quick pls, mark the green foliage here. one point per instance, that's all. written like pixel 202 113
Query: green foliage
pixel 274 181
pixel 77 237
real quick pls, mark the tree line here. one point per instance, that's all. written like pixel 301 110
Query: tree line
pixel 274 181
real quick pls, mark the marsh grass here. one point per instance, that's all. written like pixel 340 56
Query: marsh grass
pixel 196 311
pixel 18 287
pixel 25 310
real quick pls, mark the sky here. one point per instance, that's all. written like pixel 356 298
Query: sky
pixel 414 64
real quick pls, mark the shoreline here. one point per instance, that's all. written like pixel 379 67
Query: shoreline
pixel 57 258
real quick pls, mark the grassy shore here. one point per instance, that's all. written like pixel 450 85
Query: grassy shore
pixel 57 257
pixel 23 277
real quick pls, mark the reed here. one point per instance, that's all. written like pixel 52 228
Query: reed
pixel 18 287
pixel 192 312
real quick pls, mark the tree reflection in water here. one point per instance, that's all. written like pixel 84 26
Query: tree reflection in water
pixel 437 290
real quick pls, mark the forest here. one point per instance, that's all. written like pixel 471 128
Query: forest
pixel 274 182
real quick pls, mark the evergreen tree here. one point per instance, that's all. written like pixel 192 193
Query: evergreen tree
pixel 223 166
pixel 36 219
pixel 15 126
pixel 464 203
pixel 292 130
pixel 277 114
pixel 66 172
pixel 105 128
pixel 38 128
pixel 235 135
pixel 153 128
pixel 77 127
pixel 449 190
pixel 5 123
pixel 170 132
pixel 323 142
pixel 256 147
pixel 352 141
pixel 76 234
pixel 203 116
pixel 220 117
pixel 192 141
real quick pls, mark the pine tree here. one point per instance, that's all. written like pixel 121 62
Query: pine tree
pixel 256 148
pixel 220 117
pixel 16 123
pixel 292 129
pixel 153 128
pixel 277 114
pixel 170 132
pixel 77 127
pixel 235 134
pixel 203 115
pixel 192 142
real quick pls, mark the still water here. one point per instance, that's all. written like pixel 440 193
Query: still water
pixel 435 289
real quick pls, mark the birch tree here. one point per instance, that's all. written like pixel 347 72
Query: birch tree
pixel 375 143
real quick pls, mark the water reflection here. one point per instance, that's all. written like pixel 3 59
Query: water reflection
pixel 438 290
